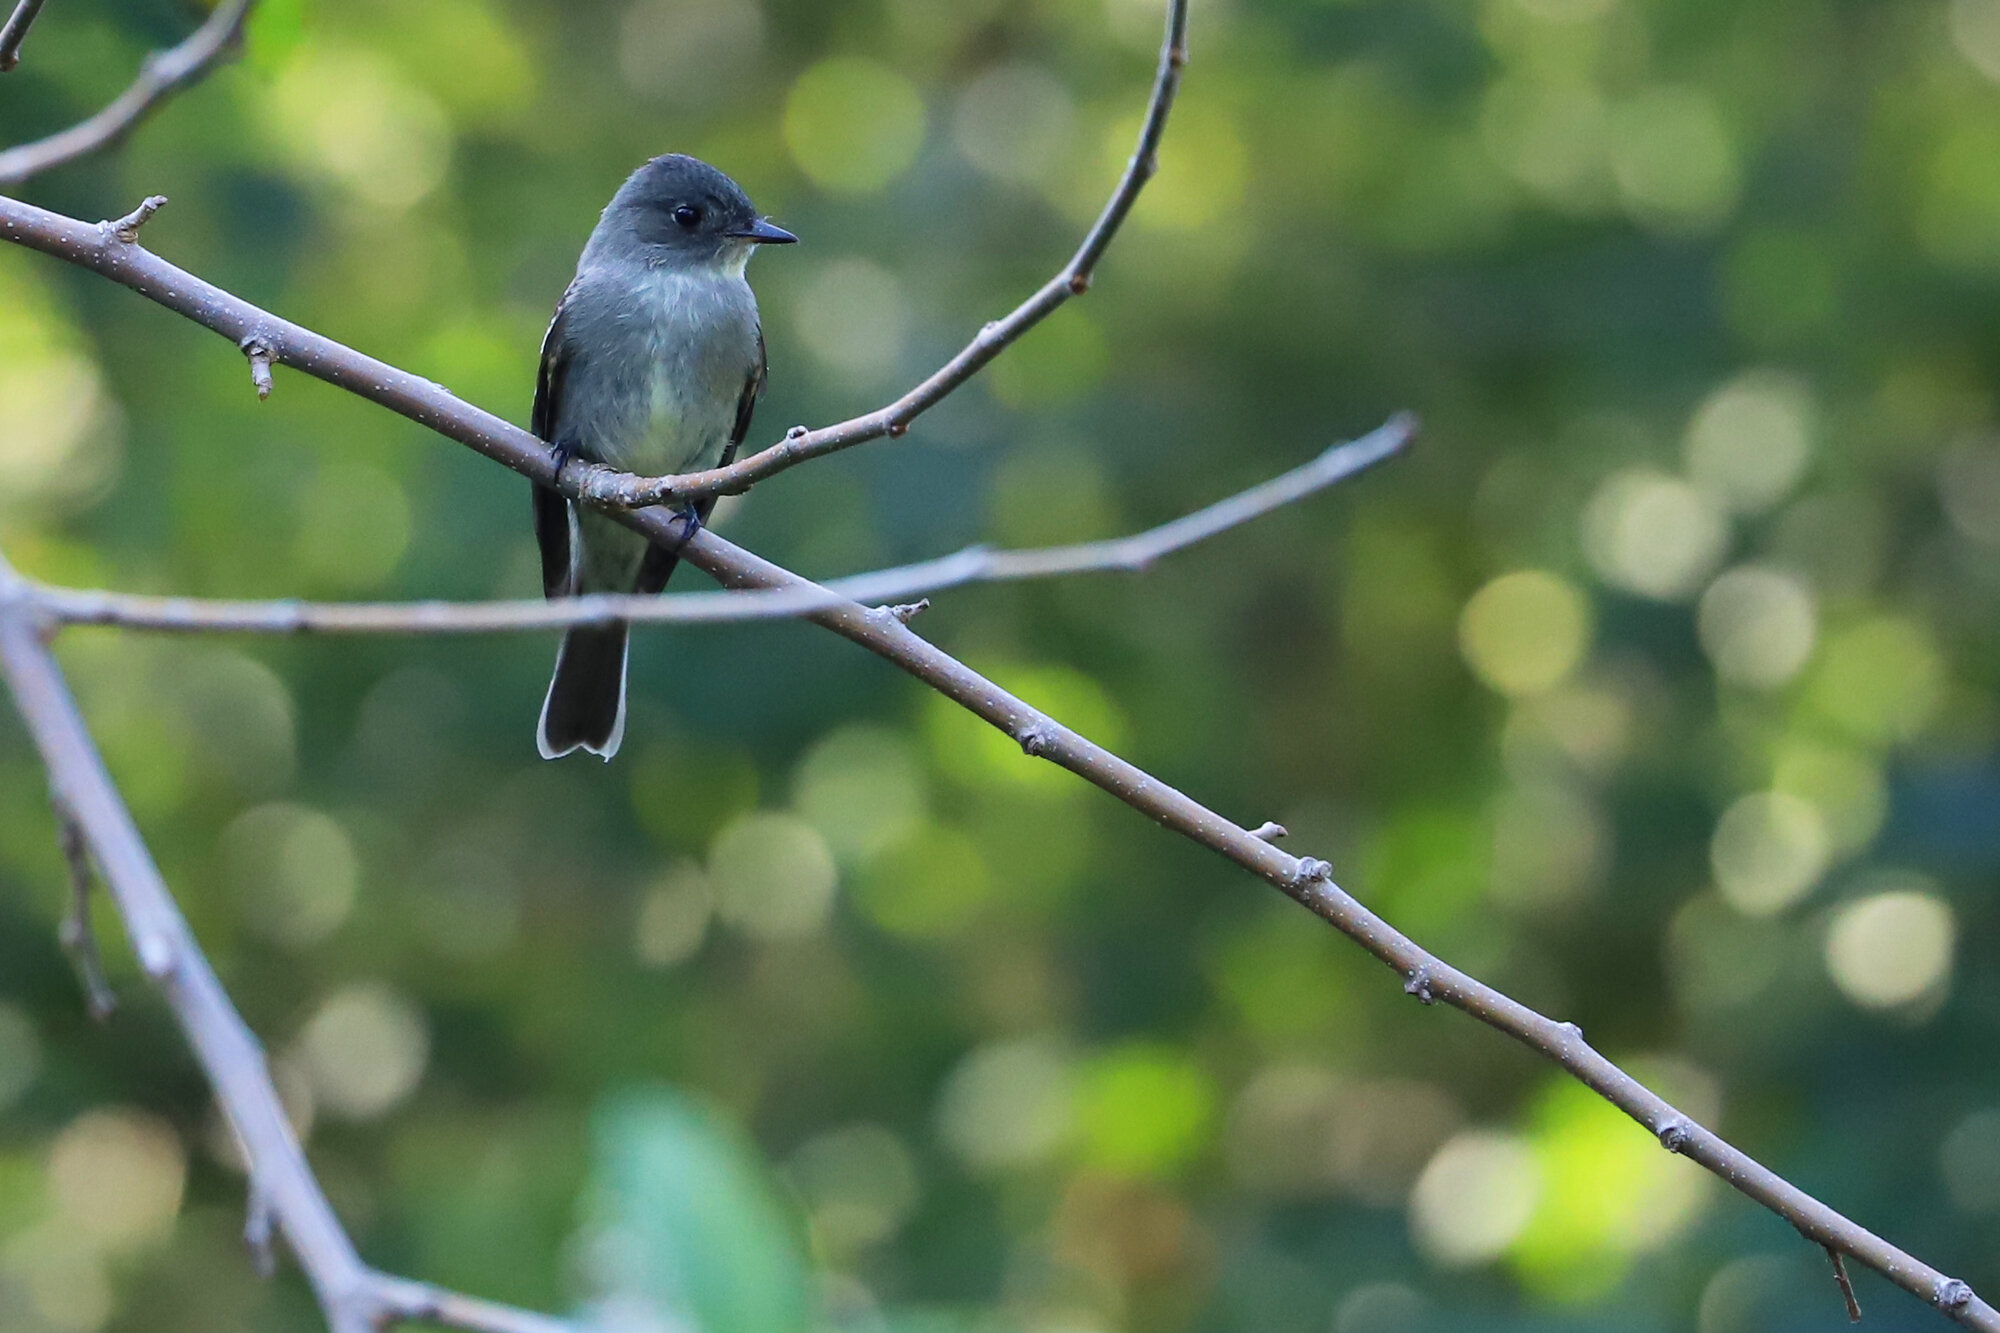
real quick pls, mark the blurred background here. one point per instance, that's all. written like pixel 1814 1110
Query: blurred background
pixel 1660 686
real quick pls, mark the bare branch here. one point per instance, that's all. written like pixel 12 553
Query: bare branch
pixel 606 486
pixel 972 565
pixel 401 1299
pixel 126 228
pixel 1846 1285
pixel 78 939
pixel 15 31
pixel 161 74
pixel 283 1189
pixel 1307 881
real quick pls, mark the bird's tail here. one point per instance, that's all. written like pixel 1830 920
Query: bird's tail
pixel 585 708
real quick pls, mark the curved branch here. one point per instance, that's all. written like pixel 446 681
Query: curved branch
pixel 609 487
pixel 1307 881
pixel 975 564
pixel 355 1297
pixel 15 31
pixel 161 74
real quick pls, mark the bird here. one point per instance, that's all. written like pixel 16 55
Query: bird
pixel 653 363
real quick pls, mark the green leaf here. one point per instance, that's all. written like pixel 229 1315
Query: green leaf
pixel 684 1222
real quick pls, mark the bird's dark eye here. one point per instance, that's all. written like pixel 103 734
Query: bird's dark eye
pixel 688 216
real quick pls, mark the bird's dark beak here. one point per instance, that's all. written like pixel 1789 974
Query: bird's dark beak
pixel 764 233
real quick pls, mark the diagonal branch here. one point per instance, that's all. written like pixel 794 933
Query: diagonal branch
pixel 882 632
pixel 161 74
pixel 609 487
pixel 976 564
pixel 356 1299
pixel 15 31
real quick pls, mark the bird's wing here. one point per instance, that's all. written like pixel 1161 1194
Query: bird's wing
pixel 551 510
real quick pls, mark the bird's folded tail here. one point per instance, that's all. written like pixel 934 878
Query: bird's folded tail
pixel 585 707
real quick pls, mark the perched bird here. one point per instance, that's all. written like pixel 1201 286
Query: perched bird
pixel 652 365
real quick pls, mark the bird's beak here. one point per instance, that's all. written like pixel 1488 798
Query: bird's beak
pixel 764 233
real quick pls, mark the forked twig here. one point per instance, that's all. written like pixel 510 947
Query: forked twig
pixel 161 74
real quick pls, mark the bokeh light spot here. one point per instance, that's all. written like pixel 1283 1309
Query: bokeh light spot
pixel 1525 632
pixel 1675 160
pixel 1758 626
pixel 1749 442
pixel 1144 1109
pixel 364 1050
pixel 117 1176
pixel 1892 948
pixel 853 125
pixel 1969 1162
pixel 854 318
pixel 1474 1198
pixel 1769 850
pixel 673 916
pixel 1015 122
pixel 295 869
pixel 1654 535
pixel 1880 680
pixel 1008 1104
pixel 929 886
pixel 774 876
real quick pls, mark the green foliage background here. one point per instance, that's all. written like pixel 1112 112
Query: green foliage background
pixel 1657 687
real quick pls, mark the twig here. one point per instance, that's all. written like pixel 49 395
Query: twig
pixel 1845 1283
pixel 127 228
pixel 15 31
pixel 972 565
pixel 78 939
pixel 356 1299
pixel 433 406
pixel 161 74
pixel 419 1302
pixel 608 487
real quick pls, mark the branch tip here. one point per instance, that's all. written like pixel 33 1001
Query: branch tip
pixel 126 229
pixel 259 351
pixel 1846 1285
pixel 1269 831
pixel 909 611
pixel 1079 283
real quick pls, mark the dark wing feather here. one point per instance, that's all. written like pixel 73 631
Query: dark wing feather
pixel 551 510
pixel 660 561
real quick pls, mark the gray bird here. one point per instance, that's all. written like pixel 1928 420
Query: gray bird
pixel 652 364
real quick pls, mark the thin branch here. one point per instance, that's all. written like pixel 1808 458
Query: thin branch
pixel 419 1302
pixel 1846 1285
pixel 1308 881
pixel 606 486
pixel 78 939
pixel 972 565
pixel 161 74
pixel 15 31
pixel 355 1298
